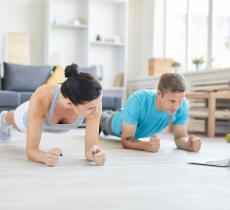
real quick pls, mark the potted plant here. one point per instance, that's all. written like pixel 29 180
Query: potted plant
pixel 198 62
pixel 176 65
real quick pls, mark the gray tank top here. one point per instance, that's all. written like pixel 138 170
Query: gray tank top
pixel 49 126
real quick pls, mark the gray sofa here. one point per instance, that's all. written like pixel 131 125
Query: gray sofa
pixel 20 81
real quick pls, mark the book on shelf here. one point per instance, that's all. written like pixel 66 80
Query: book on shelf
pixel 118 81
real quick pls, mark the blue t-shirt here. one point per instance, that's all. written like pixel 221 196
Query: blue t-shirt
pixel 140 110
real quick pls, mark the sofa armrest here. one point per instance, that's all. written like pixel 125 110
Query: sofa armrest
pixel 112 99
pixel 117 103
pixel 1 83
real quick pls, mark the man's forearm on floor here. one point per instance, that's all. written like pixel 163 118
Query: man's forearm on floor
pixel 131 142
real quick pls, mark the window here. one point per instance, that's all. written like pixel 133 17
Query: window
pixel 221 33
pixel 197 28
pixel 176 31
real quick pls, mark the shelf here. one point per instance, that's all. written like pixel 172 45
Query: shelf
pixel 68 40
pixel 197 125
pixel 107 43
pixel 223 114
pixel 83 26
pixel 112 1
pixel 199 113
pixel 203 113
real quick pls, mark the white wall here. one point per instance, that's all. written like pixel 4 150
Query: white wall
pixel 134 38
pixel 29 16
pixel 146 35
pixel 158 28
pixel 24 16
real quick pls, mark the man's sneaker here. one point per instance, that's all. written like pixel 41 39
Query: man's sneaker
pixel 5 130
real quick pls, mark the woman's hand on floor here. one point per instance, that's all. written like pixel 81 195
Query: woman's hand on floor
pixel 98 156
pixel 52 156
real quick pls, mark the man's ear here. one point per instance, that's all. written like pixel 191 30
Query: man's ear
pixel 159 93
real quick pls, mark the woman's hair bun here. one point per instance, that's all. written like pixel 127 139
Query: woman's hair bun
pixel 71 70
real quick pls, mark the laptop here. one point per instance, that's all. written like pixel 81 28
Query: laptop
pixel 216 163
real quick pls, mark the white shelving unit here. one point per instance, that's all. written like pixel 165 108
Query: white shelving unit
pixel 107 43
pixel 69 40
pixel 70 25
pixel 66 36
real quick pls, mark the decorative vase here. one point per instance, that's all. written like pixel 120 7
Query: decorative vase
pixel 176 69
pixel 98 37
pixel 198 66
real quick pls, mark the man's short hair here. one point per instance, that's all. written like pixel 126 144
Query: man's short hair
pixel 172 82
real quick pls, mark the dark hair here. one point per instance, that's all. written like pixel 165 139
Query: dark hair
pixel 80 87
pixel 172 82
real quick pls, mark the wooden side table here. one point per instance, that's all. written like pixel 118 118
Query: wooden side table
pixel 211 113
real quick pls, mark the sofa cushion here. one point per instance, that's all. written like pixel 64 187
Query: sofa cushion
pixel 9 98
pixel 111 103
pixel 91 70
pixel 23 77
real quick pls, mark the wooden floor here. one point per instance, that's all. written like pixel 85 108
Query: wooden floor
pixel 130 180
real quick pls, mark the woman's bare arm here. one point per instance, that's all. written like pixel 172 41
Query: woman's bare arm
pixel 92 151
pixel 39 104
